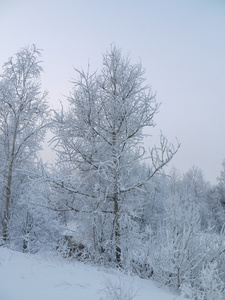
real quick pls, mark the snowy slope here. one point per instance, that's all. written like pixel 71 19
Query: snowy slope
pixel 38 277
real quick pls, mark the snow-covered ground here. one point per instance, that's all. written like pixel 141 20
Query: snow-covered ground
pixel 44 277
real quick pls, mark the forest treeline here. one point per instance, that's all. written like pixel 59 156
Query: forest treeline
pixel 106 200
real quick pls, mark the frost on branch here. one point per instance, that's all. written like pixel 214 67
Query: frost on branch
pixel 99 147
pixel 208 286
pixel 23 122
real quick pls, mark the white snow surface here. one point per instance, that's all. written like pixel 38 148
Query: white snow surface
pixel 48 277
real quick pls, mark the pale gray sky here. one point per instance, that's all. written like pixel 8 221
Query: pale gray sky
pixel 181 43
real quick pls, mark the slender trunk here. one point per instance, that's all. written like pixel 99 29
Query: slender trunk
pixel 7 200
pixel 5 227
pixel 178 278
pixel 116 226
pixel 8 187
pixel 117 230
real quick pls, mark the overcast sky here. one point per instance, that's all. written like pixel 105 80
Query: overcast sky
pixel 181 44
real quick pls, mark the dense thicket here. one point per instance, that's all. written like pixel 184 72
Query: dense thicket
pixel 105 200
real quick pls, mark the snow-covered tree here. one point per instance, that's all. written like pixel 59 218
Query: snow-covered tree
pixel 178 250
pixel 221 185
pixel 185 238
pixel 99 144
pixel 31 225
pixel 23 119
pixel 194 184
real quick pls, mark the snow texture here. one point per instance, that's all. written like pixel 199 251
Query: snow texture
pixel 45 277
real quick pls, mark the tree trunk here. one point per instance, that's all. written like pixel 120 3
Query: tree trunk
pixel 5 227
pixel 116 226
pixel 7 200
pixel 8 188
pixel 117 230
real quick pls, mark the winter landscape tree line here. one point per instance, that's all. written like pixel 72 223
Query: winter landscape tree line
pixel 106 200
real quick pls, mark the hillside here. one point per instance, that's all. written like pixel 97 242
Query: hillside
pixel 41 277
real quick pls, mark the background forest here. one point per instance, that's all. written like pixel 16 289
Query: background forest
pixel 107 200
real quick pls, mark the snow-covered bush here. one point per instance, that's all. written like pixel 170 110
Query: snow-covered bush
pixel 208 286
pixel 118 290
